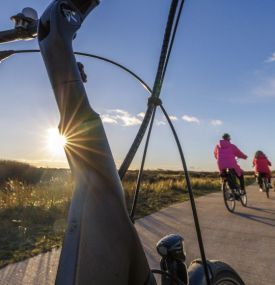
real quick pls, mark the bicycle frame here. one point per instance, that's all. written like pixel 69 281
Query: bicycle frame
pixel 261 178
pixel 88 240
pixel 230 176
pixel 263 183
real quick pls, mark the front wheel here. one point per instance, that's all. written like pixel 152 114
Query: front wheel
pixel 229 197
pixel 243 199
pixel 221 274
pixel 225 275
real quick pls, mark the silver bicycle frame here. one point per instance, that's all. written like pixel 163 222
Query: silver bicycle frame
pixel 101 245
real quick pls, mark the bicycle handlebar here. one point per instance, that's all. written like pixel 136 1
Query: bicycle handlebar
pixel 25 27
pixel 18 34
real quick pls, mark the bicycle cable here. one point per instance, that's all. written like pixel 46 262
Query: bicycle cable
pixel 156 90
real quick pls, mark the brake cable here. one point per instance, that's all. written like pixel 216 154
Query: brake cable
pixel 156 90
pixel 7 53
pixel 154 100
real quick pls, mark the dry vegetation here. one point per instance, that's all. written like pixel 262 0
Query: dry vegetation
pixel 34 203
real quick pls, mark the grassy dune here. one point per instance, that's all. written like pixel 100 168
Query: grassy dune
pixel 33 215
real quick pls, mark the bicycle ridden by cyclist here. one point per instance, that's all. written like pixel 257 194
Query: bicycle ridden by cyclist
pixel 261 167
pixel 226 153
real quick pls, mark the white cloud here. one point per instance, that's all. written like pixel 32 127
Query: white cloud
pixel 267 89
pixel 141 115
pixel 216 122
pixel 108 119
pixel 118 111
pixel 120 117
pixel 130 121
pixel 190 119
pixel 173 118
pixel 271 58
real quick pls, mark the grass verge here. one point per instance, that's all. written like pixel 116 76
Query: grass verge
pixel 33 218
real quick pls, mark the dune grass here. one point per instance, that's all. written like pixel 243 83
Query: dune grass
pixel 33 219
pixel 33 216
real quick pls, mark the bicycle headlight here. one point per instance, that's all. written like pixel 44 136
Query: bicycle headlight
pixel 172 246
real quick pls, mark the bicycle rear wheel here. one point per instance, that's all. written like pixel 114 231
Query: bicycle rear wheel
pixel 266 187
pixel 228 196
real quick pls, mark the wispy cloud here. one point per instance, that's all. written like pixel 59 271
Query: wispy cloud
pixel 216 122
pixel 141 115
pixel 267 89
pixel 120 117
pixel 190 119
pixel 271 58
pixel 173 118
pixel 108 119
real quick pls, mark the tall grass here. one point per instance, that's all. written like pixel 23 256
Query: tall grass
pixel 156 194
pixel 33 215
pixel 33 218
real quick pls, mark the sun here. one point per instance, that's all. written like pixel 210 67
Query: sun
pixel 55 142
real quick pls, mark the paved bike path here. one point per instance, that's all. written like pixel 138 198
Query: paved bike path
pixel 245 240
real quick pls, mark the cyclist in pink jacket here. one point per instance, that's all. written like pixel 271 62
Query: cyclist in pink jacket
pixel 226 153
pixel 261 166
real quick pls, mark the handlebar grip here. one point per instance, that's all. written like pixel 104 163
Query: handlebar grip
pixel 26 24
pixel 18 34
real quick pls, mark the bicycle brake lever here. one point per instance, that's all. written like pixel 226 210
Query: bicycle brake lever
pixel 25 28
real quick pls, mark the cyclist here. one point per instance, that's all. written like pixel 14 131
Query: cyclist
pixel 261 166
pixel 226 153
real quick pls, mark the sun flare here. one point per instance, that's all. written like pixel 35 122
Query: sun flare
pixel 55 142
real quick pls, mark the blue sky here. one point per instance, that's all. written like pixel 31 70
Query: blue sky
pixel 221 78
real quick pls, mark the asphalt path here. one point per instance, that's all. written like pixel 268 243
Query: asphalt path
pixel 245 239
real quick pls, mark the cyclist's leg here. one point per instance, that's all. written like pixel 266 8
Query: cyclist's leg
pixel 242 182
pixel 223 175
pixel 239 174
pixel 260 181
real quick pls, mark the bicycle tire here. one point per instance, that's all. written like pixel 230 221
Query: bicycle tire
pixel 243 199
pixel 266 187
pixel 228 197
pixel 221 274
pixel 267 192
pixel 225 275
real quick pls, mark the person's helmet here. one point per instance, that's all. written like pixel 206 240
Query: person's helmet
pixel 226 137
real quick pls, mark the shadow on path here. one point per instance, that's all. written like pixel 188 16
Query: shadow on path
pixel 259 219
pixel 270 211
